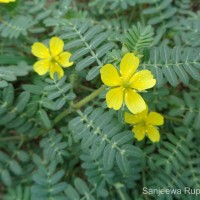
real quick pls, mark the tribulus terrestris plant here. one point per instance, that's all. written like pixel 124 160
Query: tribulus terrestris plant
pixel 99 99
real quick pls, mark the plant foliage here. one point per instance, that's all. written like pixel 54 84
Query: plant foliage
pixel 58 138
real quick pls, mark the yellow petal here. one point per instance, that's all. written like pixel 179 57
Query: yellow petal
pixel 128 65
pixel 42 66
pixel 40 50
pixel 139 132
pixel 63 59
pixel 134 101
pixel 131 119
pixel 110 76
pixel 153 134
pixel 135 119
pixel 114 98
pixel 155 118
pixel 56 46
pixel 55 68
pixel 142 80
pixel 7 1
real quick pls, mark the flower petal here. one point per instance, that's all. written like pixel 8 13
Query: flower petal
pixel 110 76
pixel 139 132
pixel 63 59
pixel 55 68
pixel 153 133
pixel 135 119
pixel 6 1
pixel 155 118
pixel 134 101
pixel 128 65
pixel 40 50
pixel 131 119
pixel 56 46
pixel 142 80
pixel 42 66
pixel 114 98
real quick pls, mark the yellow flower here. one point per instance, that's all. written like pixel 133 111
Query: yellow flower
pixel 126 84
pixel 144 124
pixel 7 1
pixel 51 59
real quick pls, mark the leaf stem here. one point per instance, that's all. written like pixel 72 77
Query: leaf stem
pixel 89 97
pixel 142 19
pixel 118 187
pixel 144 184
pixel 79 104
pixel 16 137
pixel 86 88
pixel 62 115
pixel 173 118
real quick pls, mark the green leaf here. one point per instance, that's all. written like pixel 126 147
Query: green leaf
pixel 84 63
pixel 123 163
pixel 19 25
pixel 81 186
pixel 45 119
pixel 71 193
pixel 5 177
pixel 3 84
pixel 15 167
pixel 167 63
pixel 22 101
pixel 108 157
pixel 138 38
pixel 97 148
pixel 23 156
pixel 92 73
pixel 34 89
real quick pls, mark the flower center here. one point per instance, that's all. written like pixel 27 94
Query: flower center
pixel 126 84
pixel 53 60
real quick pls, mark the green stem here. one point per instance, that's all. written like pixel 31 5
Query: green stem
pixel 62 115
pixel 144 184
pixel 86 88
pixel 142 19
pixel 16 137
pixel 89 97
pixel 173 118
pixel 143 179
pixel 118 187
pixel 79 104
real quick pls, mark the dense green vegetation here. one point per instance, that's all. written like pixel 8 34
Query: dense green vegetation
pixel 58 138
